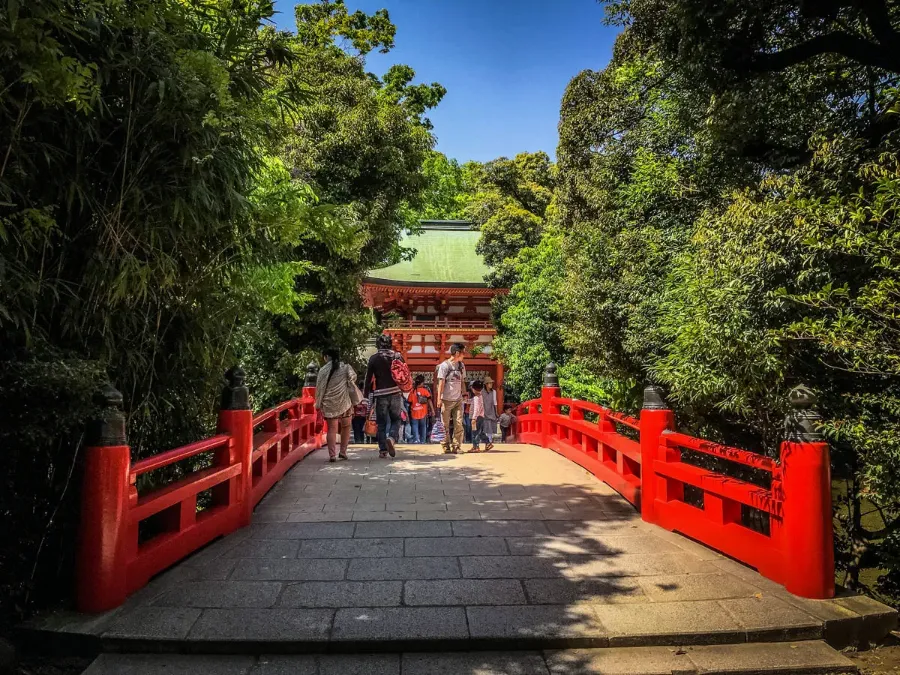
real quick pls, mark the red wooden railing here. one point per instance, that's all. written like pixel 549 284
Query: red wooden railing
pixel 783 529
pixel 445 324
pixel 241 463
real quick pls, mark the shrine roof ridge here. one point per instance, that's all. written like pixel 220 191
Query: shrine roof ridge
pixel 445 257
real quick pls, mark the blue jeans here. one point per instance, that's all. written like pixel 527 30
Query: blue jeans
pixel 420 430
pixel 467 428
pixel 387 416
pixel 479 431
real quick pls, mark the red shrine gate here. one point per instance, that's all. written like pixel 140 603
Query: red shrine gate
pixel 425 339
pixel 436 299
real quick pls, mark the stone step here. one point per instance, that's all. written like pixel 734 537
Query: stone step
pixel 798 658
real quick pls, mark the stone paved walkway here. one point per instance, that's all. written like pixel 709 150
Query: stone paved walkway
pixel 444 551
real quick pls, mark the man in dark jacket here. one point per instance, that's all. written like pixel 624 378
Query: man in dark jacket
pixel 388 399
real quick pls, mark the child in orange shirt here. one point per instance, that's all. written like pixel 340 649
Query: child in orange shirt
pixel 420 406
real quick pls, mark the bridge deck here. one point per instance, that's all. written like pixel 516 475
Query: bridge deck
pixel 512 548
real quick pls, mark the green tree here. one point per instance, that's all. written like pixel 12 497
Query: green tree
pixel 728 230
pixel 509 205
pixel 447 191
pixel 162 210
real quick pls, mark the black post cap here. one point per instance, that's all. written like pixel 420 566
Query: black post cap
pixel 108 428
pixel 235 395
pixel 551 379
pixel 311 375
pixel 654 399
pixel 803 424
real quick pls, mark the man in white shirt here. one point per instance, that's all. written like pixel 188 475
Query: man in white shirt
pixel 451 376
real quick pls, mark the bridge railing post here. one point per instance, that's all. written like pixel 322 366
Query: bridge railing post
pixel 655 419
pixel 808 536
pixel 100 563
pixel 548 392
pixel 236 420
pixel 308 406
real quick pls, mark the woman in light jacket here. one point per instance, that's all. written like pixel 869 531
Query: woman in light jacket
pixel 334 385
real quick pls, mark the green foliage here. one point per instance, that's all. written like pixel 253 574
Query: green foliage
pixel 510 202
pixel 446 192
pixel 182 187
pixel 723 223
pixel 529 329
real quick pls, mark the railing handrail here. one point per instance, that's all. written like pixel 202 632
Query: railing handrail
pixel 169 457
pixel 276 410
pixel 673 439
pixel 485 324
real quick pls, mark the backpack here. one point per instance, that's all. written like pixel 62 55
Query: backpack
pixel 400 373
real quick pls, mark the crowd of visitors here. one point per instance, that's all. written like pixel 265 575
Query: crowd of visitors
pixel 393 408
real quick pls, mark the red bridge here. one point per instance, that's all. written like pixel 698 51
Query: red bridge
pixel 593 529
pixel 783 528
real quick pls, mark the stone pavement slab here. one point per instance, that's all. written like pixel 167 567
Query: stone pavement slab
pixel 218 594
pixel 342 594
pixel 329 664
pixel 486 663
pixel 352 548
pixel 801 658
pixel 589 591
pixel 701 622
pixel 574 625
pixel 405 529
pixel 404 568
pixel 153 623
pixel 290 570
pixel 441 546
pixel 172 664
pixel 277 624
pixel 447 592
pixel 798 658
pixel 400 624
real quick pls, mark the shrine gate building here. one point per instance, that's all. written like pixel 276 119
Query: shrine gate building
pixel 436 299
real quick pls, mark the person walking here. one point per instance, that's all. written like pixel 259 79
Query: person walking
pixel 388 399
pixel 467 414
pixel 451 382
pixel 477 416
pixel 432 412
pixel 336 394
pixel 420 408
pixel 489 401
pixel 360 412
pixel 507 422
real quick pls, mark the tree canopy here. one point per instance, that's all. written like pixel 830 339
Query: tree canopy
pixel 722 221
pixel 182 187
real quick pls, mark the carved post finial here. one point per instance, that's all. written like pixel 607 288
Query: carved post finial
pixel 235 395
pixel 551 379
pixel 312 373
pixel 803 424
pixel 108 428
pixel 654 399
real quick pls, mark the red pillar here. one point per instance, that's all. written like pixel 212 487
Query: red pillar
pixel 548 392
pixel 806 486
pixel 236 420
pixel 655 419
pixel 308 407
pixel 101 582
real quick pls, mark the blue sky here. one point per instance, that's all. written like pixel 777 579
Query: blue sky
pixel 505 64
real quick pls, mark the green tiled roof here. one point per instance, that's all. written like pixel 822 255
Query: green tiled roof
pixel 445 255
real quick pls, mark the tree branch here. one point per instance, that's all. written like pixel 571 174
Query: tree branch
pixel 889 528
pixel 879 19
pixel 850 46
